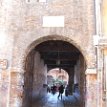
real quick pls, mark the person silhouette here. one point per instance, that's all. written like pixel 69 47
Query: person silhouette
pixel 61 90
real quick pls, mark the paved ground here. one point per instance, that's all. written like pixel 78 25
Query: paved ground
pixel 53 101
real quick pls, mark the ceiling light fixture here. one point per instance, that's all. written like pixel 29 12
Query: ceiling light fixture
pixel 58 62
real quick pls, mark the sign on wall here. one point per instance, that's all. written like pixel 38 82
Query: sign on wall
pixel 3 63
pixel 34 1
pixel 91 71
pixel 53 21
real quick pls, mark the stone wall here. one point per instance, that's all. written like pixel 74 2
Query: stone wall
pixel 28 80
pixel 91 90
pixel 4 88
pixel 5 66
pixel 40 77
pixel 80 79
pixel 35 77
pixel 28 30
pixel 21 23
pixel 71 80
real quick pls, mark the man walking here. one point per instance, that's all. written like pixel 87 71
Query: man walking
pixel 61 90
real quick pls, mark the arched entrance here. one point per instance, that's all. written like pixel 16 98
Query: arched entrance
pixel 50 54
pixel 57 76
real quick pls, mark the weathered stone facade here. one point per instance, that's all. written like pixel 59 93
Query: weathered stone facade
pixel 34 78
pixel 102 54
pixel 21 25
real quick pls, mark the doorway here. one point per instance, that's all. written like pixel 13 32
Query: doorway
pixel 49 55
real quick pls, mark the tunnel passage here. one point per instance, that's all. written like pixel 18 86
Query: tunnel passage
pixel 49 55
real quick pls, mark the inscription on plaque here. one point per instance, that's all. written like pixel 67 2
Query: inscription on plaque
pixel 3 63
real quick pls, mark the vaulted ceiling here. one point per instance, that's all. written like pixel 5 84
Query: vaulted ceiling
pixel 57 53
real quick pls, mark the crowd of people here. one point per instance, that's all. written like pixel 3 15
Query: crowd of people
pixel 53 89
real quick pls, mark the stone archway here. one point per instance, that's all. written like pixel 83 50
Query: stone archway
pixel 55 37
pixel 30 48
pixel 31 53
pixel 58 75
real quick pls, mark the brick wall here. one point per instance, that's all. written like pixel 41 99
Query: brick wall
pixel 22 23
pixel 40 77
pixel 35 76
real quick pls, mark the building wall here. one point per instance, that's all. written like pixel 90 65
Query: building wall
pixel 25 25
pixel 34 78
pixel 21 23
pixel 104 17
pixel 103 54
pixel 40 77
pixel 28 82
pixel 104 80
pixel 80 79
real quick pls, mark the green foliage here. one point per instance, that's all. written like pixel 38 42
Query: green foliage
pixel 58 81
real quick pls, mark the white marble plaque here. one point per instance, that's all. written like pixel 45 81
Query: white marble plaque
pixel 91 71
pixel 34 1
pixel 42 0
pixel 53 21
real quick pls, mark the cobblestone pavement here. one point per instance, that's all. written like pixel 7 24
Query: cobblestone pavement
pixel 53 101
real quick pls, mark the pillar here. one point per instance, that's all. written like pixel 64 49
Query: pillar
pixel 40 78
pixel 91 88
pixel 71 80
pixel 16 88
pixel 4 87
